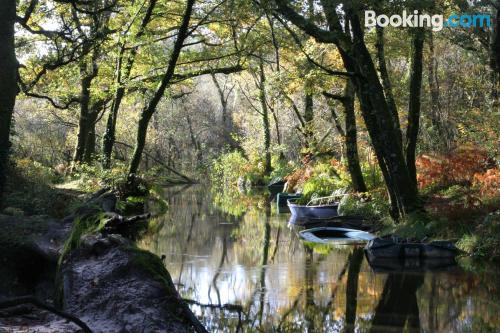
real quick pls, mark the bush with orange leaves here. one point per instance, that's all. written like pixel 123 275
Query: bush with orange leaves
pixel 297 178
pixel 488 182
pixel 457 167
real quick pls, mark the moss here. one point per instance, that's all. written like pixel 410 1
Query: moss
pixel 415 225
pixel 152 265
pixel 82 225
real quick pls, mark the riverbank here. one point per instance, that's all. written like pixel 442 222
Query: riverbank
pixel 82 266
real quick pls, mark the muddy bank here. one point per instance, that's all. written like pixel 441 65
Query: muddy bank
pixel 82 266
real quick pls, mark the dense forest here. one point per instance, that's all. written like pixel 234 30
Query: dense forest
pixel 114 98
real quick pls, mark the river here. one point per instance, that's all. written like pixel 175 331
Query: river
pixel 243 269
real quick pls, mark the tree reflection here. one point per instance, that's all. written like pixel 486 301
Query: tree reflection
pixel 261 277
pixel 351 291
pixel 398 307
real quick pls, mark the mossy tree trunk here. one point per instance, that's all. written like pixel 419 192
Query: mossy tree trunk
pixel 84 123
pixel 350 134
pixel 351 139
pixel 8 82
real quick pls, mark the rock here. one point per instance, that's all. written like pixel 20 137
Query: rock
pixel 114 287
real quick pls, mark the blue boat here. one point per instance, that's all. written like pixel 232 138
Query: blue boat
pixel 314 209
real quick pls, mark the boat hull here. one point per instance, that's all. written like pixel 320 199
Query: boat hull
pixel 321 212
pixel 387 248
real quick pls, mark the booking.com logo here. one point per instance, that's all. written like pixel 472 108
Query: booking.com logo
pixel 437 22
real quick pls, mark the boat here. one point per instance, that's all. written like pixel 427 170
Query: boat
pixel 314 208
pixel 335 235
pixel 394 247
pixel 276 186
pixel 283 197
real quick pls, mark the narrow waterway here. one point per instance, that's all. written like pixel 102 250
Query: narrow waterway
pixel 244 270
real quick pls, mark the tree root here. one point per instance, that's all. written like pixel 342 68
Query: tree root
pixel 38 303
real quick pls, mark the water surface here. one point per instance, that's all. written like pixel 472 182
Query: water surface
pixel 244 270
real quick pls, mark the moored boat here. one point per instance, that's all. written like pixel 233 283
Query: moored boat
pixel 312 210
pixel 276 187
pixel 335 235
pixel 393 247
pixel 283 197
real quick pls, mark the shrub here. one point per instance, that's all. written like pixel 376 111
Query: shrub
pixel 488 183
pixel 281 168
pixel 229 167
pixel 484 242
pixel 457 167
pixel 367 205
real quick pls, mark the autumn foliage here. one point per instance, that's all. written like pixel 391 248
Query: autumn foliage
pixel 461 181
pixel 465 166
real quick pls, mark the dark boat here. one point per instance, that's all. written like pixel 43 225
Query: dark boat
pixel 393 247
pixel 335 235
pixel 283 197
pixel 322 211
pixel 276 187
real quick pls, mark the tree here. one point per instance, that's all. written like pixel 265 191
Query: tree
pixel 124 63
pixel 150 108
pixel 379 120
pixel 8 83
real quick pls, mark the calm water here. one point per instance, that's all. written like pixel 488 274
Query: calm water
pixel 245 270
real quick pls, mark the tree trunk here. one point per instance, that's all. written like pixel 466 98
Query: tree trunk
pixel 223 101
pixel 8 83
pixel 83 121
pixel 414 104
pixel 381 127
pixel 351 139
pixel 308 119
pixel 86 118
pixel 148 111
pixel 89 154
pixel 109 137
pixel 386 82
pixel 265 120
pixel 437 117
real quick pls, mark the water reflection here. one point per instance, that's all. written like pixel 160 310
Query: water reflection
pixel 244 270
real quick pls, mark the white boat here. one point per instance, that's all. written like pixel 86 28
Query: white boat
pixel 327 235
